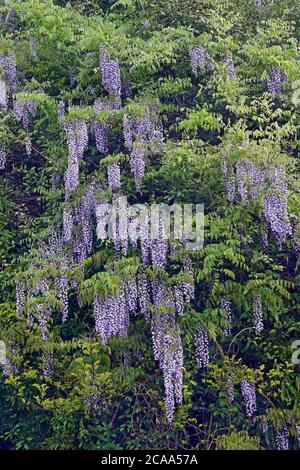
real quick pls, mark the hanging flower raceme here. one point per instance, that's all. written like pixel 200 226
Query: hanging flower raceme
pixel 143 295
pixel 2 156
pixel 112 313
pixel 202 347
pixel 275 81
pixel 99 129
pixel 282 439
pixel 9 68
pixel 20 298
pixel 32 47
pixel 3 94
pixel 114 176
pixel 141 136
pixel 28 145
pixel 22 110
pixel 257 313
pixel 229 177
pixel 77 137
pixel 62 286
pixel 111 77
pixel 200 60
pixel 10 363
pixel 68 223
pixel 275 206
pixel 230 390
pixel 231 73
pixel 43 313
pixel 226 305
pixel 249 396
pixel 171 364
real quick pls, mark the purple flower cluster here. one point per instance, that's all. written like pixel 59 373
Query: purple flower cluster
pixel 2 156
pixel 28 145
pixel 275 205
pixel 202 347
pixel 200 60
pixel 141 136
pixel 9 69
pixel 171 364
pixel 114 176
pixel 229 177
pixel 10 366
pixel 275 81
pixel 230 390
pixel 43 314
pixel 3 94
pixel 68 223
pixel 111 315
pixel 20 298
pixel 282 439
pixel 249 396
pixel 111 77
pixel 48 364
pixel 231 73
pixel 226 305
pixel 265 426
pixel 62 287
pixel 22 110
pixel 93 400
pixel 257 313
pixel 77 137
pixel 143 295
pixel 32 47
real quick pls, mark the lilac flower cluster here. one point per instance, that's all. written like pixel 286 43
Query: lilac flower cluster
pixel 22 110
pixel 111 77
pixel 62 287
pixel 32 47
pixel 171 364
pixel 249 396
pixel 143 295
pixel 77 137
pixel 28 145
pixel 93 400
pixel 99 129
pixel 230 390
pixel 202 347
pixel 112 312
pixel 229 177
pixel 226 305
pixel 2 156
pixel 141 136
pixel 231 73
pixel 83 218
pixel 282 439
pixel 200 60
pixel 68 223
pixel 265 426
pixel 275 206
pixel 275 81
pixel 9 69
pixel 20 298
pixel 3 94
pixel 114 176
pixel 48 364
pixel 257 313
pixel 43 313
pixel 10 366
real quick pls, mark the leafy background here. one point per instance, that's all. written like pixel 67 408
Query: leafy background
pixel 203 119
